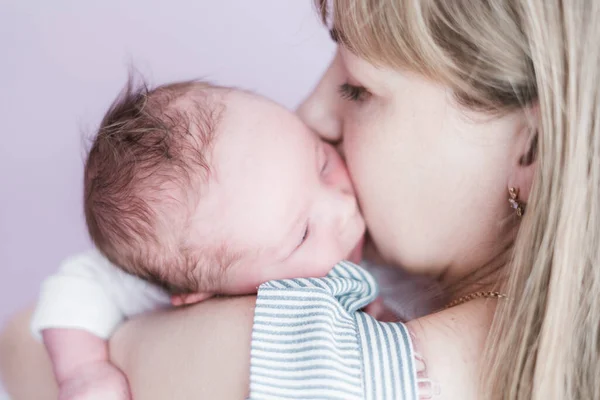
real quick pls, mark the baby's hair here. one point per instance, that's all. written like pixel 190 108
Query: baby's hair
pixel 146 166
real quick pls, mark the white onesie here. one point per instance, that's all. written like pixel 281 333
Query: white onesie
pixel 90 293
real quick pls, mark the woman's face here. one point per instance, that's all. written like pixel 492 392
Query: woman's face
pixel 431 177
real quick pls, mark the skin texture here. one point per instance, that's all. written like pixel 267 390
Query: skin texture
pixel 432 180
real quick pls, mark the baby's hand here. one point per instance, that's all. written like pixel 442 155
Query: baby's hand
pixel 95 381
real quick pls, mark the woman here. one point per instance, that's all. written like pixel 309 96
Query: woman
pixel 470 130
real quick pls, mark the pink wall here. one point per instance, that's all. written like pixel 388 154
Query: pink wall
pixel 63 61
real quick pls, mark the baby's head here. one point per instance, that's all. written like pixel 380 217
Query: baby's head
pixel 204 189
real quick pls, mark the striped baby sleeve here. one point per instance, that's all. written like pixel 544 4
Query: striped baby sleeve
pixel 310 341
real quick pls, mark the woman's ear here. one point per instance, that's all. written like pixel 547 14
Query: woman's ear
pixel 526 155
pixel 189 298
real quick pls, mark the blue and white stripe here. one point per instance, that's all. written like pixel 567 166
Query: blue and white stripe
pixel 310 341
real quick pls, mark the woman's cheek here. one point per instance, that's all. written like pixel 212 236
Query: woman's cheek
pixel 348 150
pixel 359 151
pixel 372 155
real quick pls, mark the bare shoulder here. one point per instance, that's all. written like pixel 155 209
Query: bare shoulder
pixel 203 349
pixel 451 343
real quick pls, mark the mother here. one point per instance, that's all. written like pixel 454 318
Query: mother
pixel 447 110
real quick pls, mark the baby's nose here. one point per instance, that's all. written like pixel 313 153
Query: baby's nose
pixel 347 208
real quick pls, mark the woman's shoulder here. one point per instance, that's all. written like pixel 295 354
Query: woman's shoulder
pixel 450 344
pixel 201 350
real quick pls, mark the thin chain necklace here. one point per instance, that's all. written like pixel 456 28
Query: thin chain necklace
pixel 473 296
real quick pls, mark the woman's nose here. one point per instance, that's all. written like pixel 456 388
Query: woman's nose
pixel 321 110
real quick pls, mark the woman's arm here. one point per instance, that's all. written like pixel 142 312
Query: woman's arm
pixel 203 351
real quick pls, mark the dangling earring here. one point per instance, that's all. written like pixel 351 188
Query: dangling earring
pixel 513 199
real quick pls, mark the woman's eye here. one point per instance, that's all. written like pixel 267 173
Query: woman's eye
pixel 353 93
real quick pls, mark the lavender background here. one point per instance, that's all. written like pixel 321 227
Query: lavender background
pixel 63 61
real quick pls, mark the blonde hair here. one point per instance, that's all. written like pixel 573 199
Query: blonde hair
pixel 499 56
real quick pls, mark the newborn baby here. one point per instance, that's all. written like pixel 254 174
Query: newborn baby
pixel 199 190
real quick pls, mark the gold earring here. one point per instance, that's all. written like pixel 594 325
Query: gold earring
pixel 513 199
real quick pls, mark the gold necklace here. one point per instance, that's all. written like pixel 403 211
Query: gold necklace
pixel 473 296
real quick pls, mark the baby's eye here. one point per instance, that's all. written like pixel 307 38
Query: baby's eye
pixel 353 92
pixel 304 236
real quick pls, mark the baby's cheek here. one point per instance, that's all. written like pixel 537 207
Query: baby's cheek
pixel 323 270
pixel 245 279
pixel 308 266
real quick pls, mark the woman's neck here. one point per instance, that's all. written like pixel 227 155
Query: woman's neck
pixel 456 282
pixel 487 279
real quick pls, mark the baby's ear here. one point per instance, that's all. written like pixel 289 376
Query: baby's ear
pixel 189 298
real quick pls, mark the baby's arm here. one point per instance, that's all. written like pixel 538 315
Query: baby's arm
pixel 81 366
pixel 79 308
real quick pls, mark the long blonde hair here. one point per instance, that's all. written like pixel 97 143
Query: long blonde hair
pixel 499 56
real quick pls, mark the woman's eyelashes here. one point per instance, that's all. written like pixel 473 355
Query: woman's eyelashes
pixel 353 92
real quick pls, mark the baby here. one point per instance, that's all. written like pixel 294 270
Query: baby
pixel 198 190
